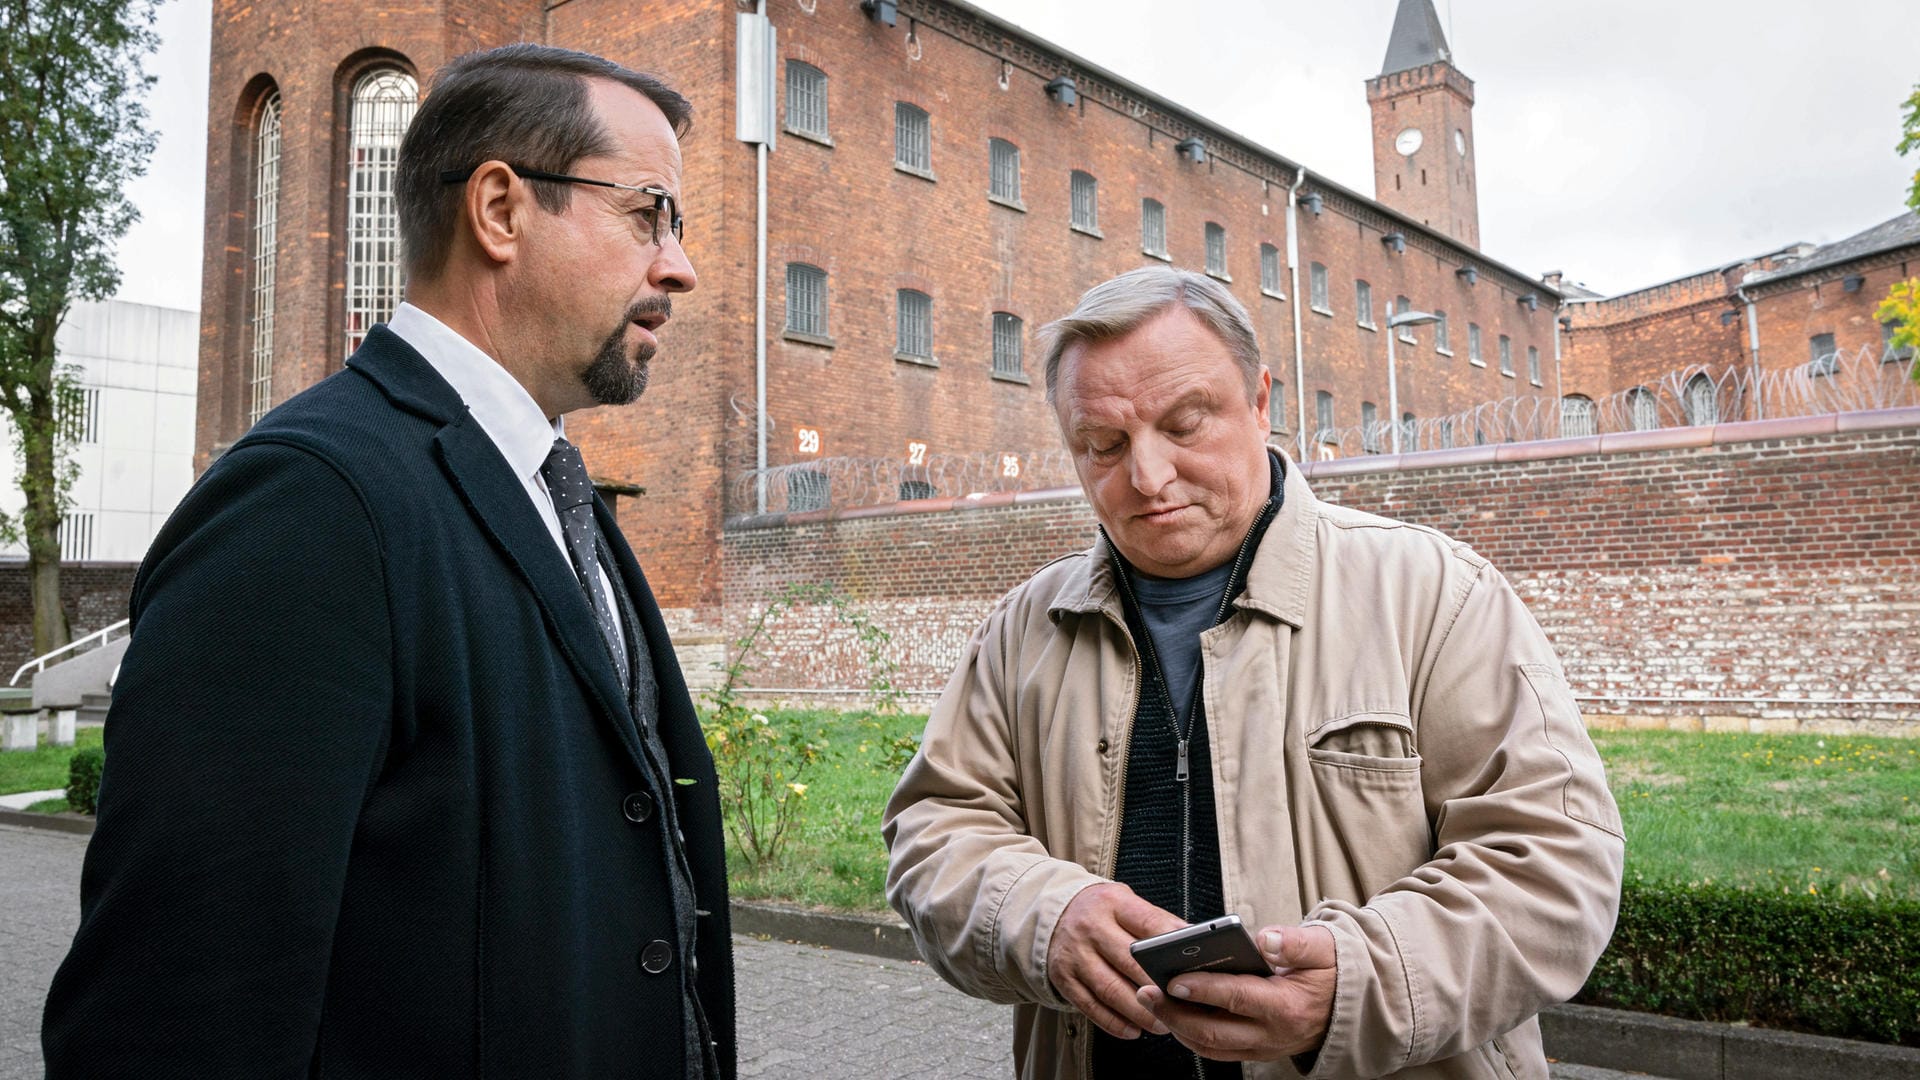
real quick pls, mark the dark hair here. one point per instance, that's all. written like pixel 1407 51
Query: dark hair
pixel 523 103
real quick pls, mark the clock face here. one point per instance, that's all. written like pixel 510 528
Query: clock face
pixel 1460 141
pixel 1408 141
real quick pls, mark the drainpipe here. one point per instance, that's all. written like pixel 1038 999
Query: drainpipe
pixel 1559 388
pixel 1753 349
pixel 1293 270
pixel 760 320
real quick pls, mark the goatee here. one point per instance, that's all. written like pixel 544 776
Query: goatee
pixel 611 378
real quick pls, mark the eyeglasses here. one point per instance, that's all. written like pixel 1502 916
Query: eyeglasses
pixel 664 207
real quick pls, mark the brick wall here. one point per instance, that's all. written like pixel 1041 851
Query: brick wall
pixel 1748 562
pixel 95 595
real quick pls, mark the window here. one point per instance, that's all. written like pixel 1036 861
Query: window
pixel 1317 278
pixel 1825 358
pixel 1369 427
pixel 76 538
pixel 1473 345
pixel 1577 417
pixel 1446 434
pixel 1323 415
pixel 1003 171
pixel 383 104
pixel 1006 346
pixel 806 300
pixel 1442 342
pixel 1703 401
pixel 1216 249
pixel 1086 203
pixel 266 247
pixel 1363 300
pixel 1409 427
pixel 912 139
pixel 1889 352
pixel 806 100
pixel 1506 355
pixel 1643 409
pixel 1533 365
pixel 916 325
pixel 1402 305
pixel 808 489
pixel 77 415
pixel 1277 407
pixel 1270 271
pixel 915 489
pixel 1153 228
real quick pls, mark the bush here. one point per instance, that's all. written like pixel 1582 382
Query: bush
pixel 83 779
pixel 1792 961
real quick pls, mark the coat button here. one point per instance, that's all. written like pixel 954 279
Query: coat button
pixel 656 957
pixel 638 807
pixel 1103 746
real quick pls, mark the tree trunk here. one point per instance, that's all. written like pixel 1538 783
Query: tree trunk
pixel 40 482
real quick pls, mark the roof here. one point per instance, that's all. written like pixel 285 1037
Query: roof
pixel 1417 38
pixel 1903 231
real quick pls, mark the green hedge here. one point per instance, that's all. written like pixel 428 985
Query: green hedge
pixel 83 779
pixel 1847 968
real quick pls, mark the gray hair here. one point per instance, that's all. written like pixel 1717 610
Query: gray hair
pixel 1119 306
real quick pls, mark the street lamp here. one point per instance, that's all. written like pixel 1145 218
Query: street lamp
pixel 1394 322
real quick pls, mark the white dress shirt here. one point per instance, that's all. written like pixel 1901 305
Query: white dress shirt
pixel 504 410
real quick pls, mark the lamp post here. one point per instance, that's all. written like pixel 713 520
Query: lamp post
pixel 1395 322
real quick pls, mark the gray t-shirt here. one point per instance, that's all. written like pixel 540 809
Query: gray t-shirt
pixel 1177 611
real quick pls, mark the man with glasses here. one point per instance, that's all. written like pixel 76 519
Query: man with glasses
pixel 402 777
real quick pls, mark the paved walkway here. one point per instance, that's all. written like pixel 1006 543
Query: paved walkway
pixel 803 1011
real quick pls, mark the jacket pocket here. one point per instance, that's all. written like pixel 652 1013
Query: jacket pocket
pixel 1370 828
pixel 1385 737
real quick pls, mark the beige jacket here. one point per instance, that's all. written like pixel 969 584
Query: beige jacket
pixel 1395 753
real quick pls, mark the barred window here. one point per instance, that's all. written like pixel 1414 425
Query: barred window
pixel 1006 344
pixel 912 138
pixel 76 537
pixel 1473 344
pixel 806 99
pixel 1533 365
pixel 1363 300
pixel 1446 434
pixel 1703 401
pixel 1825 357
pixel 1086 202
pixel 1402 305
pixel 1216 249
pixel 1506 355
pixel 1323 413
pixel 1270 270
pixel 1317 276
pixel 808 489
pixel 266 224
pixel 1369 427
pixel 1442 342
pixel 916 324
pixel 806 299
pixel 1889 352
pixel 1643 409
pixel 1153 228
pixel 383 104
pixel 1409 432
pixel 1003 167
pixel 77 415
pixel 1576 416
pixel 916 489
pixel 1277 407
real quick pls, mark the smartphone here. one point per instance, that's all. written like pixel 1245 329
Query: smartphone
pixel 1218 945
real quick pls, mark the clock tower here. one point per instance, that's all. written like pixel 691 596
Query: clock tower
pixel 1423 128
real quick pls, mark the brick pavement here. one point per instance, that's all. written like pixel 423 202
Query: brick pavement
pixel 804 1011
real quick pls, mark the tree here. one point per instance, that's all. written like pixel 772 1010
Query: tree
pixel 72 135
pixel 1902 305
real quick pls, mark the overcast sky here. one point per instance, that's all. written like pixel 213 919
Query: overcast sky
pixel 1626 143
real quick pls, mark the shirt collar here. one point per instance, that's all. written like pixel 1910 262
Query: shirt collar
pixel 504 409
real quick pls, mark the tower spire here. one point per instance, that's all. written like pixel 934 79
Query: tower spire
pixel 1417 38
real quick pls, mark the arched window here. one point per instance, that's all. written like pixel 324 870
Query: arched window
pixel 266 218
pixel 1703 401
pixel 383 104
pixel 1576 417
pixel 1643 409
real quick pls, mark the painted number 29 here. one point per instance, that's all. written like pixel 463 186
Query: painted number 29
pixel 809 440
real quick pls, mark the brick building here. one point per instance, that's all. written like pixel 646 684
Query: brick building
pixel 942 184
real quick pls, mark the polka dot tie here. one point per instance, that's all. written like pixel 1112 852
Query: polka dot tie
pixel 566 477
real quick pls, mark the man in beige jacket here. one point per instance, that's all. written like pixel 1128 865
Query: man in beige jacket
pixel 1344 729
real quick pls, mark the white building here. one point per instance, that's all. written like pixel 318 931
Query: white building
pixel 132 435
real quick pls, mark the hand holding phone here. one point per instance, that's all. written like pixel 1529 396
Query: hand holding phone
pixel 1220 946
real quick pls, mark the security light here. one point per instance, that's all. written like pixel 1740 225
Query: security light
pixel 1397 241
pixel 1313 202
pixel 1063 91
pixel 1193 150
pixel 1467 274
pixel 884 12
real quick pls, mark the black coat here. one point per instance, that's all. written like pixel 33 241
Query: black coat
pixel 366 805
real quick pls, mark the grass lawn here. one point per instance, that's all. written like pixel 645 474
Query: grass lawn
pixel 1834 815
pixel 45 768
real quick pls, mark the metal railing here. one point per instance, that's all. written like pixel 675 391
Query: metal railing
pixel 97 638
